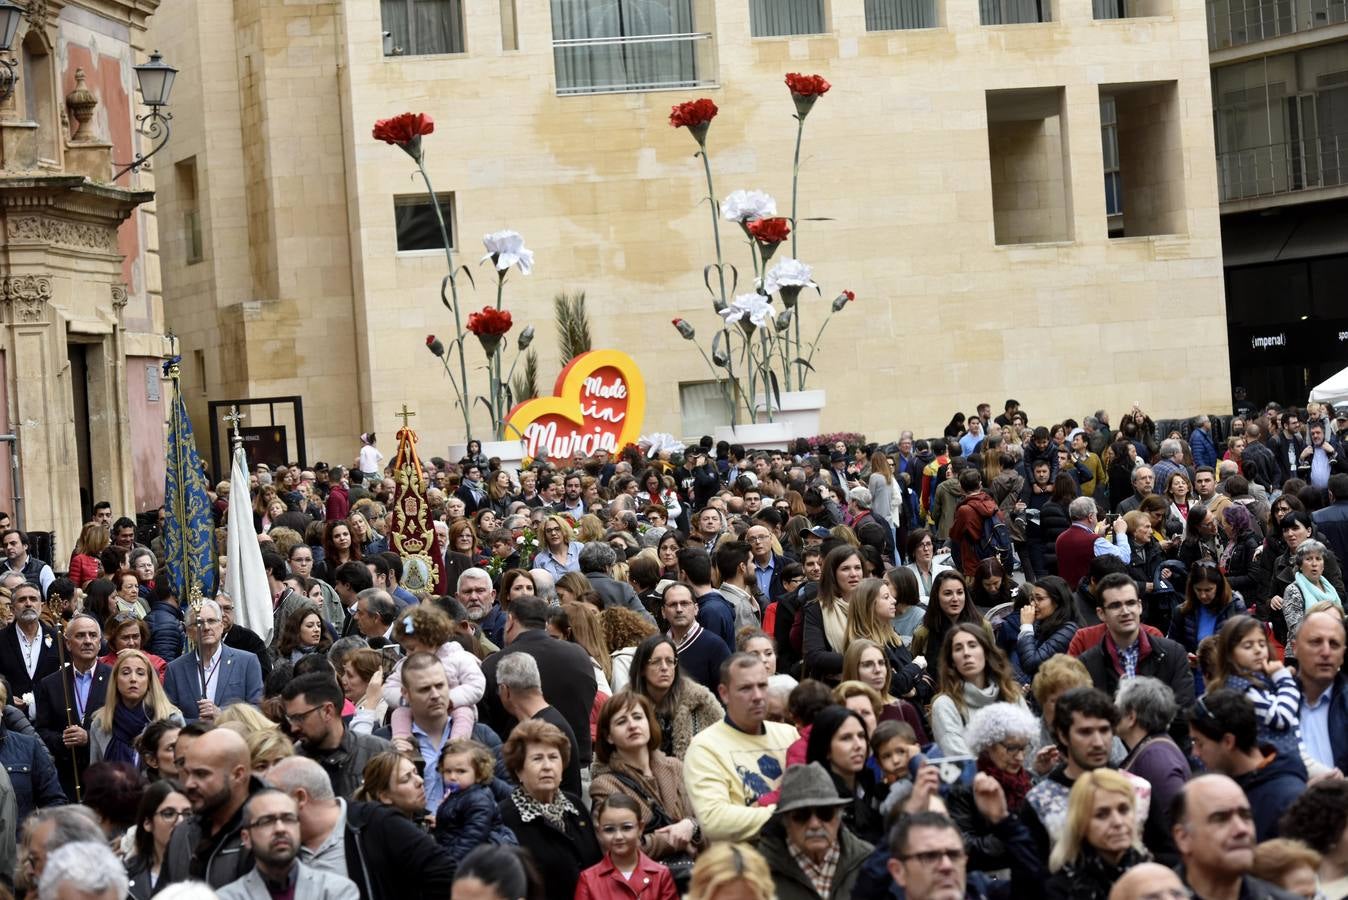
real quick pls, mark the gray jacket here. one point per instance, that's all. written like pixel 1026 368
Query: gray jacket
pixel 310 884
pixel 617 593
pixel 216 860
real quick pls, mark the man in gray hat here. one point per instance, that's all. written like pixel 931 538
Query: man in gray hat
pixel 811 855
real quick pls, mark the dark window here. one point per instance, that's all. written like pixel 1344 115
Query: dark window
pixel 415 219
pixel 422 27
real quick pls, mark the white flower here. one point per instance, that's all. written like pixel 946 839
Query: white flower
pixel 660 442
pixel 789 273
pixel 755 307
pixel 507 248
pixel 741 206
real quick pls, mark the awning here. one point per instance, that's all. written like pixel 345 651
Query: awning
pixel 1332 390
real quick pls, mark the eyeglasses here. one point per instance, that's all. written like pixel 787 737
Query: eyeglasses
pixel 663 663
pixel 173 815
pixel 299 717
pixel 822 813
pixel 934 857
pixel 271 821
pixel 1015 749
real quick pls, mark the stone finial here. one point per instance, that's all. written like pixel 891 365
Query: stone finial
pixel 82 103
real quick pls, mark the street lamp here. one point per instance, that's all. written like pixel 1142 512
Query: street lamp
pixel 10 13
pixel 155 80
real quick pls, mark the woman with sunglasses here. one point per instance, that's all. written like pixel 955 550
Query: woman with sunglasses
pixel 162 807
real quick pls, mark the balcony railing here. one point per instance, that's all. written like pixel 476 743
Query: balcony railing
pixel 1233 23
pixel 649 62
pixel 1283 168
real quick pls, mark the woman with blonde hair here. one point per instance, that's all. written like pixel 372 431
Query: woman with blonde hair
pixel 824 619
pixel 731 872
pixel 245 719
pixel 589 528
pixel 134 700
pixel 84 566
pixel 561 550
pixel 267 747
pixel 572 586
pixel 1101 837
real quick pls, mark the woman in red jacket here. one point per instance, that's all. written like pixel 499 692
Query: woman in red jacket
pixel 84 566
pixel 625 873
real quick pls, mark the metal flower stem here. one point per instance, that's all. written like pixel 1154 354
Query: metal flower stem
pixel 795 230
pixel 462 387
pixel 814 345
pixel 715 223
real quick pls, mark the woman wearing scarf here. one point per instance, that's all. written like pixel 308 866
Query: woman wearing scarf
pixel 134 700
pixel 1309 586
pixel 471 489
pixel 1000 736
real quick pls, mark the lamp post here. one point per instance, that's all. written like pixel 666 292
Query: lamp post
pixel 10 13
pixel 155 79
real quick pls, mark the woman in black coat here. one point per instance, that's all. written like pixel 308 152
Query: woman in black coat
pixel 548 822
pixel 1101 838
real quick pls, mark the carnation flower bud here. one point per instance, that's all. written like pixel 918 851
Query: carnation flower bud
pixel 842 300
pixel 433 344
pixel 685 329
pixel 526 338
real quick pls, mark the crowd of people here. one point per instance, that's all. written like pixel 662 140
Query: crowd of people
pixel 1089 661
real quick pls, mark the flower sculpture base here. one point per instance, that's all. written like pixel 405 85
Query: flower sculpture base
pixel 511 453
pixel 799 409
pixel 760 436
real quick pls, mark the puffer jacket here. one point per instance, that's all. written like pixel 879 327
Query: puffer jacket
pixel 469 818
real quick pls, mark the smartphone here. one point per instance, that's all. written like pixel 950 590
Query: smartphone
pixel 953 770
pixel 1111 518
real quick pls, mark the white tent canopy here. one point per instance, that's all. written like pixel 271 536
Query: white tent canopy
pixel 1332 390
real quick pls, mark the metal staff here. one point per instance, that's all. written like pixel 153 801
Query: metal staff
pixel 65 689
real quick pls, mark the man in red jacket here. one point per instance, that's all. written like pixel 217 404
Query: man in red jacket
pixel 967 528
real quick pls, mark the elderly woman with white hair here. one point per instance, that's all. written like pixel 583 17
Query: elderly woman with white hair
pixel 999 736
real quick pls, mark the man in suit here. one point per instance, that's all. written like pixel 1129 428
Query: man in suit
pixel 64 727
pixel 28 650
pixel 230 675
pixel 596 561
pixel 566 671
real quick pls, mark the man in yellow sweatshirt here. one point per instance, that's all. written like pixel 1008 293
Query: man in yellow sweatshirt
pixel 729 765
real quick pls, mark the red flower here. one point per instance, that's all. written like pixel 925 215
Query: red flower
pixel 693 113
pixel 490 322
pixel 403 129
pixel 769 231
pixel 807 85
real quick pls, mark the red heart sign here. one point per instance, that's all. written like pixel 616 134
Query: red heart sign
pixel 598 403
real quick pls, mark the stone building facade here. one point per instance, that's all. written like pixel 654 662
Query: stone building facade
pixel 82 323
pixel 959 165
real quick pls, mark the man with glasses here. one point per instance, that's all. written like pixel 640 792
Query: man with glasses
pixel 1226 738
pixel 1126 650
pixel 700 651
pixel 767 565
pixel 212 676
pixel 271 830
pixel 1213 827
pixel 927 857
pixel 805 844
pixel 313 705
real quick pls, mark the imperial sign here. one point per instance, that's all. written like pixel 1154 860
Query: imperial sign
pixel 598 403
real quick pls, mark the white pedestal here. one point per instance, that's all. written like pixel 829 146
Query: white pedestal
pixel 799 409
pixel 762 436
pixel 510 452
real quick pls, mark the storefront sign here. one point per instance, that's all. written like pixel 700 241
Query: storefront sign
pixel 598 403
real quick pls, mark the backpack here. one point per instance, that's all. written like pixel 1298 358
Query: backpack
pixel 994 542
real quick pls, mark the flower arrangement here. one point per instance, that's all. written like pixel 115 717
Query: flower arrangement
pixel 762 351
pixel 852 439
pixel 505 249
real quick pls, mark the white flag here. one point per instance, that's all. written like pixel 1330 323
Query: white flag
pixel 245 578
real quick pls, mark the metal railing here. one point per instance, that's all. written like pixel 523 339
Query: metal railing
pixel 1283 168
pixel 648 62
pixel 1234 23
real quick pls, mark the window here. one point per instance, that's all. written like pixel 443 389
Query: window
pixel 1109 142
pixel 777 18
pixel 510 32
pixel 892 15
pixel 199 358
pixel 422 27
pixel 1150 158
pixel 1014 12
pixel 602 46
pixel 185 173
pixel 35 84
pixel 418 227
pixel 704 407
pixel 1027 144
